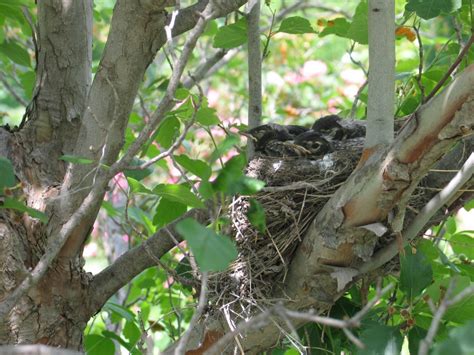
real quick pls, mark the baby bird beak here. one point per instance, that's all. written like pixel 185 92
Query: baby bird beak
pixel 248 135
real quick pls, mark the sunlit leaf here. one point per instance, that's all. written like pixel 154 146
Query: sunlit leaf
pixel 131 332
pixel 358 30
pixel 195 166
pixel 98 345
pixel 119 310
pixel 338 27
pixel 428 9
pixel 178 193
pixel 296 25
pixel 463 244
pixel 213 252
pixel 232 35
pixel 207 116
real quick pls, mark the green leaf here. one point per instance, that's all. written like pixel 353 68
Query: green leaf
pixel 213 252
pixel 178 193
pixel 451 225
pixel 227 144
pixel 296 25
pixel 119 310
pixel 131 332
pixel 27 81
pixel 207 116
pixel 195 166
pixel 381 339
pixel 137 174
pixel 7 174
pixel 137 187
pixel 231 179
pixel 460 312
pixel 231 36
pixel 20 206
pixel 416 273
pixel 168 131
pixel 463 244
pixel 98 345
pixel 17 54
pixel 460 341
pixel 338 27
pixel 167 211
pixel 75 160
pixel 256 215
pixel 112 335
pixel 428 9
pixel 27 3
pixel 415 336
pixel 358 30
pixel 181 94
pixel 469 205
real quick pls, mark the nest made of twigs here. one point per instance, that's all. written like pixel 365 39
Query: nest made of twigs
pixel 296 190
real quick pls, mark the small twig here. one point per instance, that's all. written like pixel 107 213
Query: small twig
pixel 181 348
pixel 12 91
pixel 438 315
pixel 356 100
pixel 453 66
pixel 263 318
pixel 420 64
pixel 202 71
pixel 34 31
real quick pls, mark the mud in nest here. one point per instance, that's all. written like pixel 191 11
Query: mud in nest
pixel 296 190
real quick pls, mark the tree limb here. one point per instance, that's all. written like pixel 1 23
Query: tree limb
pixel 380 107
pixel 106 283
pixel 254 69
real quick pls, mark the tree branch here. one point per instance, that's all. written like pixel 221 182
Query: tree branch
pixel 254 69
pixel 420 221
pixel 381 73
pixel 106 283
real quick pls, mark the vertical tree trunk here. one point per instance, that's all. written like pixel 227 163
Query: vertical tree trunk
pixel 50 313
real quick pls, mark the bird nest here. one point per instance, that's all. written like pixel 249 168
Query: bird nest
pixel 296 190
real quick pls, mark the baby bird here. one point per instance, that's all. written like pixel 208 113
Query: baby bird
pixel 315 143
pixel 330 127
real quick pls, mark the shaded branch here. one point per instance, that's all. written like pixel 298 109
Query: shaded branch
pixel 106 283
pixel 254 69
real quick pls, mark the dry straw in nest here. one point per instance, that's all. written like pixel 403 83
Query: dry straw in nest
pixel 296 190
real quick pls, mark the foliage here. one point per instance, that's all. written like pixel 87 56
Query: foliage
pixel 315 64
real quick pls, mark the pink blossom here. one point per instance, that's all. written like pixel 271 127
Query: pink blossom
pixel 333 104
pixel 313 68
pixel 213 97
pixel 293 78
pixel 353 76
pixel 90 250
pixel 350 91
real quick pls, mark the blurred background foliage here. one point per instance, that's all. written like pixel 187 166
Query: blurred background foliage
pixel 318 70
